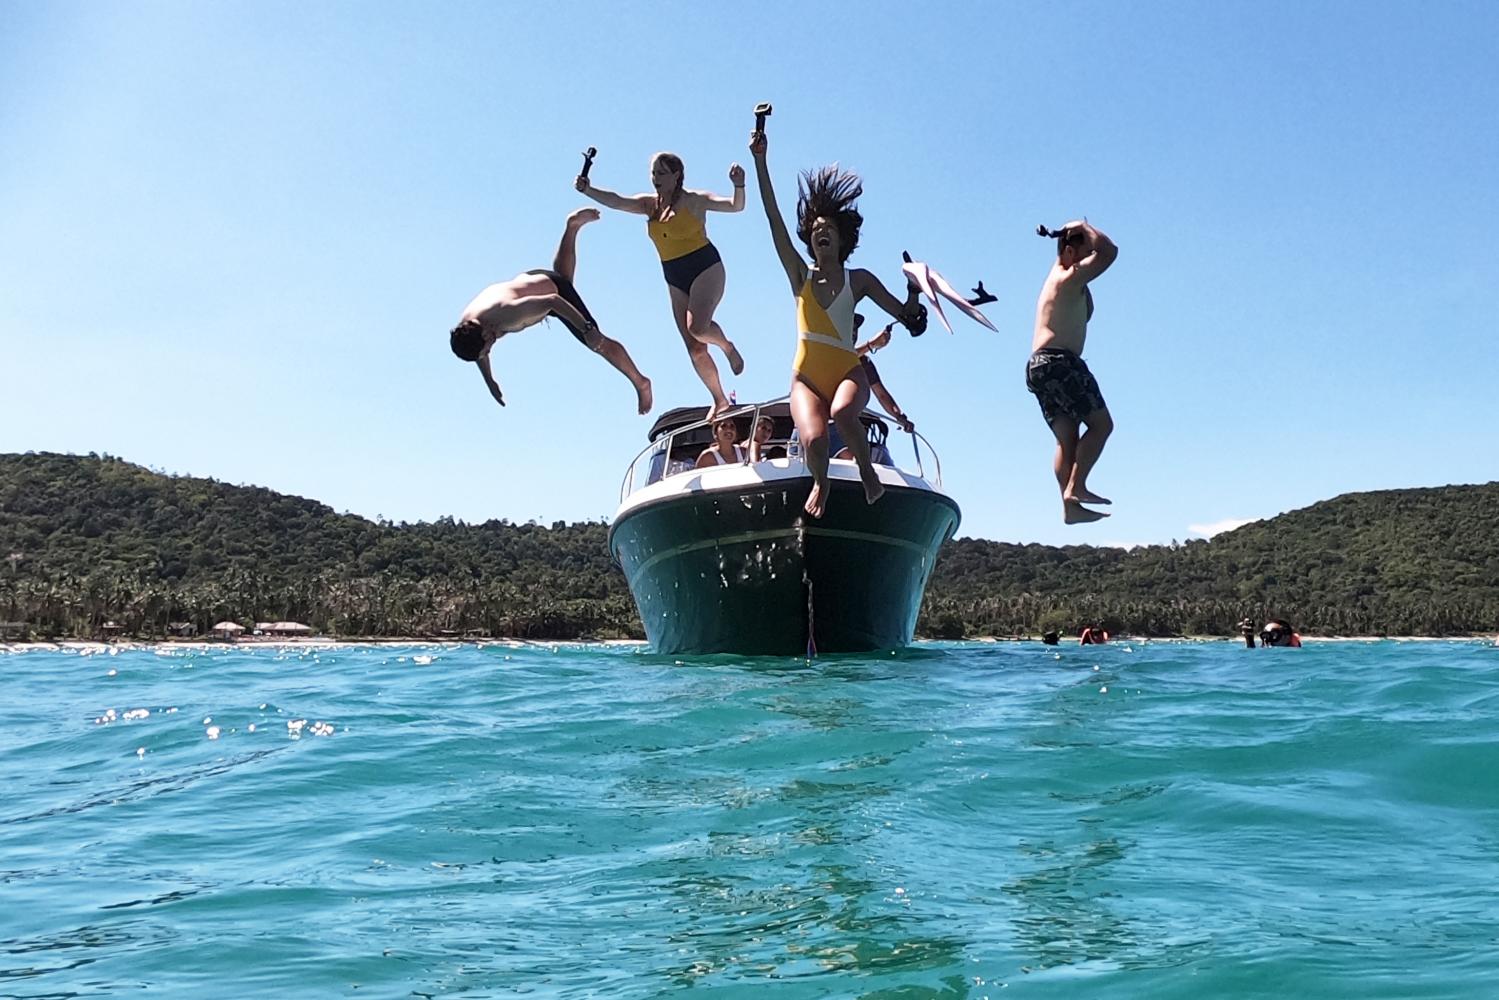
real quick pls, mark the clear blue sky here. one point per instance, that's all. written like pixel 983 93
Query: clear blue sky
pixel 233 237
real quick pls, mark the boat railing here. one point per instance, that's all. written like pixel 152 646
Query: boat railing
pixel 645 469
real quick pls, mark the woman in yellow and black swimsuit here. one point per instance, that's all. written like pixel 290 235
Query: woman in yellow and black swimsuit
pixel 827 380
pixel 694 271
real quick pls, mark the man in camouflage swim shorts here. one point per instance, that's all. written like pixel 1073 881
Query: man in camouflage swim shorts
pixel 1056 372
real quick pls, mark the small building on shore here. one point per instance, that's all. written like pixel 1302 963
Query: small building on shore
pixel 284 630
pixel 227 630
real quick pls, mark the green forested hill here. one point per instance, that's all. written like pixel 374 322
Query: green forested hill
pixel 88 539
pixel 1416 561
pixel 91 539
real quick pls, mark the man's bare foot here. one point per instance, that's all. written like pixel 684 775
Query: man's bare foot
pixel 736 360
pixel 1084 495
pixel 815 501
pixel 718 407
pixel 1076 513
pixel 873 489
pixel 643 394
pixel 582 217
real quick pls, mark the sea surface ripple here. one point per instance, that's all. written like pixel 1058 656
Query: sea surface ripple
pixel 1143 819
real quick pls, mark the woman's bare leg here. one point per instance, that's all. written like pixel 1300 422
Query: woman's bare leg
pixel 848 402
pixel 702 362
pixel 702 301
pixel 809 412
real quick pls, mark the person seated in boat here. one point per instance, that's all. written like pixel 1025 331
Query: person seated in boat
pixel 529 298
pixel 878 453
pixel 877 384
pixel 760 448
pixel 726 449
pixel 827 383
pixel 1279 633
pixel 693 269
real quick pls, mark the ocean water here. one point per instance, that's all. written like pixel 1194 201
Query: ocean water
pixel 959 820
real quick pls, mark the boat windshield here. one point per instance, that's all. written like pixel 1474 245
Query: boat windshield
pixel 682 435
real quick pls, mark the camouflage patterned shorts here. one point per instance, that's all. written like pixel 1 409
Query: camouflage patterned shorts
pixel 1062 384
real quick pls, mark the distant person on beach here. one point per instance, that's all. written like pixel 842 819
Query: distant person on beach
pixel 1056 372
pixel 1247 630
pixel 725 449
pixel 694 270
pixel 827 381
pixel 529 298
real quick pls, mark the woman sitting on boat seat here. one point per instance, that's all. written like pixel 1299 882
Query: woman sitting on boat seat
pixel 725 450
pixel 878 453
pixel 760 448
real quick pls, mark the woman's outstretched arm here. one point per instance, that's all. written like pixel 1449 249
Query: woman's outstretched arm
pixel 637 204
pixel 796 271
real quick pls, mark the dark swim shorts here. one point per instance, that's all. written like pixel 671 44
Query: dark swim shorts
pixel 567 291
pixel 1062 384
pixel 682 271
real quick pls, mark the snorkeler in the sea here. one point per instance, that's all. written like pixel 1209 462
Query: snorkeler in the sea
pixel 1056 372
pixel 827 379
pixel 693 269
pixel 531 297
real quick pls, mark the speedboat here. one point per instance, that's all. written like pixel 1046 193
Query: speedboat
pixel 724 559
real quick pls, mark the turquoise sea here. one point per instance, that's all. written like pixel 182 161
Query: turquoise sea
pixel 959 820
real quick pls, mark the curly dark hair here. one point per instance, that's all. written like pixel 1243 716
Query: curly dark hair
pixel 829 193
pixel 467 340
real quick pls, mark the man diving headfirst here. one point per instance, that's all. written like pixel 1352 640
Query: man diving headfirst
pixel 529 298
pixel 1056 372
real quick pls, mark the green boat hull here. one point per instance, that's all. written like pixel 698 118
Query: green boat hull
pixel 747 571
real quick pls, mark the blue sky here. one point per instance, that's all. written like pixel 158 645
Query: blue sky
pixel 233 237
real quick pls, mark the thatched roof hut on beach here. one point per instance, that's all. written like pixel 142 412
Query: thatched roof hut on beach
pixel 283 628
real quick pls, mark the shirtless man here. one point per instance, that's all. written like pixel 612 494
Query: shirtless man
pixel 1056 373
pixel 529 298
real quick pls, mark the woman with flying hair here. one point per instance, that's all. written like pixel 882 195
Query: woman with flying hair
pixel 827 380
pixel 694 271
